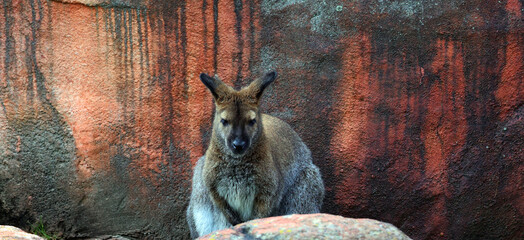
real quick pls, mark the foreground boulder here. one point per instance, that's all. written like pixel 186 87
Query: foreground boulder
pixel 310 226
pixel 13 233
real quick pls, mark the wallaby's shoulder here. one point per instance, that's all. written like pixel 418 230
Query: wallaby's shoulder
pixel 285 144
pixel 272 123
pixel 276 129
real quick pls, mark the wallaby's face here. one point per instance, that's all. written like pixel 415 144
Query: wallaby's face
pixel 237 122
pixel 238 125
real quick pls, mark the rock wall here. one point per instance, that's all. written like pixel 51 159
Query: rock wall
pixel 413 110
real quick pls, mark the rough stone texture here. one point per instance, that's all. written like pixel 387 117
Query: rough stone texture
pixel 310 226
pixel 413 110
pixel 110 3
pixel 13 233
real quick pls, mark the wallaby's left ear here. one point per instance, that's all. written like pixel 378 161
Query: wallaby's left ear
pixel 264 82
pixel 211 83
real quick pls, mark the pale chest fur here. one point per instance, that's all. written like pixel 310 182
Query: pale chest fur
pixel 238 188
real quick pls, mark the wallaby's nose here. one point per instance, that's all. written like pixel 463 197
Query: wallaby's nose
pixel 238 145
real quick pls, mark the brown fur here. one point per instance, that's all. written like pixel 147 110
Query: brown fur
pixel 274 176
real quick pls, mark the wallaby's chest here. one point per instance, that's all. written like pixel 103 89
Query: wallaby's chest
pixel 237 187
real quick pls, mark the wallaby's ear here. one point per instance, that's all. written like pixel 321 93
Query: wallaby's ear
pixel 259 85
pixel 211 83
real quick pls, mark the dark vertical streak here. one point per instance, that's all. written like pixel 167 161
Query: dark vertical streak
pixel 251 35
pixel 122 88
pixel 415 113
pixel 107 29
pixel 40 12
pixel 51 53
pixel 204 21
pixel 183 33
pixel 39 76
pixel 203 128
pixel 168 111
pixel 118 159
pixel 9 47
pixel 174 26
pixel 125 87
pixel 216 39
pixel 240 41
pixel 520 40
pixel 443 87
pixel 420 109
pixel 110 26
pixel 29 53
pixel 454 82
pixel 141 52
pixel 114 15
pixel 30 87
pixel 146 41
pixel 9 40
pixel 31 60
pixel 105 20
pixel 97 25
pixel 183 29
pixel 157 77
pixel 407 116
pixel 131 82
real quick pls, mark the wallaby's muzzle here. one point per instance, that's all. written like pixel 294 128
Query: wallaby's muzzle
pixel 238 146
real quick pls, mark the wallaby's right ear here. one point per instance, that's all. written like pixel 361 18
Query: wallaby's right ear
pixel 211 83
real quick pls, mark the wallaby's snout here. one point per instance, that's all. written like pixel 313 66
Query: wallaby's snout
pixel 239 140
pixel 240 135
pixel 239 145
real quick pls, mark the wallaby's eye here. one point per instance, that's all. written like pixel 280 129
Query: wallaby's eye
pixel 252 122
pixel 224 122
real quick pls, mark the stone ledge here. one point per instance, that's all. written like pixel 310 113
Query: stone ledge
pixel 310 226
pixel 14 233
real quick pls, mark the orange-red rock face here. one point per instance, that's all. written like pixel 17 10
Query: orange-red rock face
pixel 412 111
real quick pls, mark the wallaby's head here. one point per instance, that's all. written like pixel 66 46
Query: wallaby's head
pixel 237 124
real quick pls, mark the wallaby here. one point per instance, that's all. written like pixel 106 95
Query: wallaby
pixel 256 166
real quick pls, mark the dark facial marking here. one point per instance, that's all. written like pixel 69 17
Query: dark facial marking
pixel 238 109
pixel 238 140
